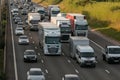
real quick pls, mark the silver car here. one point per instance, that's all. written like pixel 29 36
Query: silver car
pixel 35 74
pixel 19 31
pixel 23 39
pixel 30 55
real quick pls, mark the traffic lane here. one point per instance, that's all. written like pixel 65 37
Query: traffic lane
pixel 56 66
pixel 23 67
pixel 98 73
pixel 100 39
pixel 111 69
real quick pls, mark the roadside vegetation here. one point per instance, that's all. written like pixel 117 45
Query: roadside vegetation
pixel 2 41
pixel 102 16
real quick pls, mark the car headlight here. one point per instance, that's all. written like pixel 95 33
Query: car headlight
pixel 25 56
pixel 82 61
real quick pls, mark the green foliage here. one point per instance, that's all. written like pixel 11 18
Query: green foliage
pixel 115 8
pixel 111 33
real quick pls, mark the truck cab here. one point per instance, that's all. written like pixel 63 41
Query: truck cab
pixel 81 28
pixel 112 54
pixel 85 56
pixel 41 11
pixel 53 10
pixel 65 31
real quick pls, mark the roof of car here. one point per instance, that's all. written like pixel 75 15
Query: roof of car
pixel 35 69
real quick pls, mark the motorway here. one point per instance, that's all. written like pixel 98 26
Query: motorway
pixel 55 67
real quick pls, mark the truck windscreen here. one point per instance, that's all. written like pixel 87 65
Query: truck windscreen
pixel 114 50
pixel 55 12
pixel 41 12
pixel 65 29
pixel 87 54
pixel 34 21
pixel 81 27
pixel 52 40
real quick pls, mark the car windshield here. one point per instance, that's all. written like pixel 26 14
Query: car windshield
pixel 36 73
pixel 72 78
pixel 29 53
pixel 87 54
pixel 52 40
pixel 114 50
pixel 20 29
pixel 23 37
pixel 81 27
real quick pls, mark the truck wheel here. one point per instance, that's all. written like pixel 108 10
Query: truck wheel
pixel 81 65
pixel 94 65
pixel 109 61
pixel 104 58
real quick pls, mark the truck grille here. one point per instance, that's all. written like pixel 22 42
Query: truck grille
pixel 65 37
pixel 52 50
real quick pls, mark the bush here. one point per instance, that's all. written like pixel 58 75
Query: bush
pixel 56 1
pixel 115 8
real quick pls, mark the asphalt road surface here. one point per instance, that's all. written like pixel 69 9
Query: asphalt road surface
pixel 55 67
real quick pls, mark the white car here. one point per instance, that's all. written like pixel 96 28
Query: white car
pixel 19 31
pixel 35 74
pixel 71 77
pixel 23 39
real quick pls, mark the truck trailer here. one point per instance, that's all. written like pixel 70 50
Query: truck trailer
pixel 33 19
pixel 79 24
pixel 49 38
pixel 65 27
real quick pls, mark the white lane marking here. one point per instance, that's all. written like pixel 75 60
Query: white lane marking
pixel 107 71
pixel 97 45
pixel 33 42
pixel 69 61
pixel 38 53
pixel 46 71
pixel 29 33
pixel 13 45
pixel 76 71
pixel 42 61
pixel 36 48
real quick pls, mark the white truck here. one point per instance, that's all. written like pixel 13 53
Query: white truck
pixel 53 10
pixel 79 24
pixel 41 11
pixel 111 54
pixel 65 27
pixel 82 51
pixel 33 19
pixel 49 38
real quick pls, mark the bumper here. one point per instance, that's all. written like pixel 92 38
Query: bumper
pixel 30 60
pixel 114 59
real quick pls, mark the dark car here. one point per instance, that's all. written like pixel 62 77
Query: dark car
pixel 30 55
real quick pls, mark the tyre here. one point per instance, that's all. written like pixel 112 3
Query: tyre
pixel 94 65
pixel 104 58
